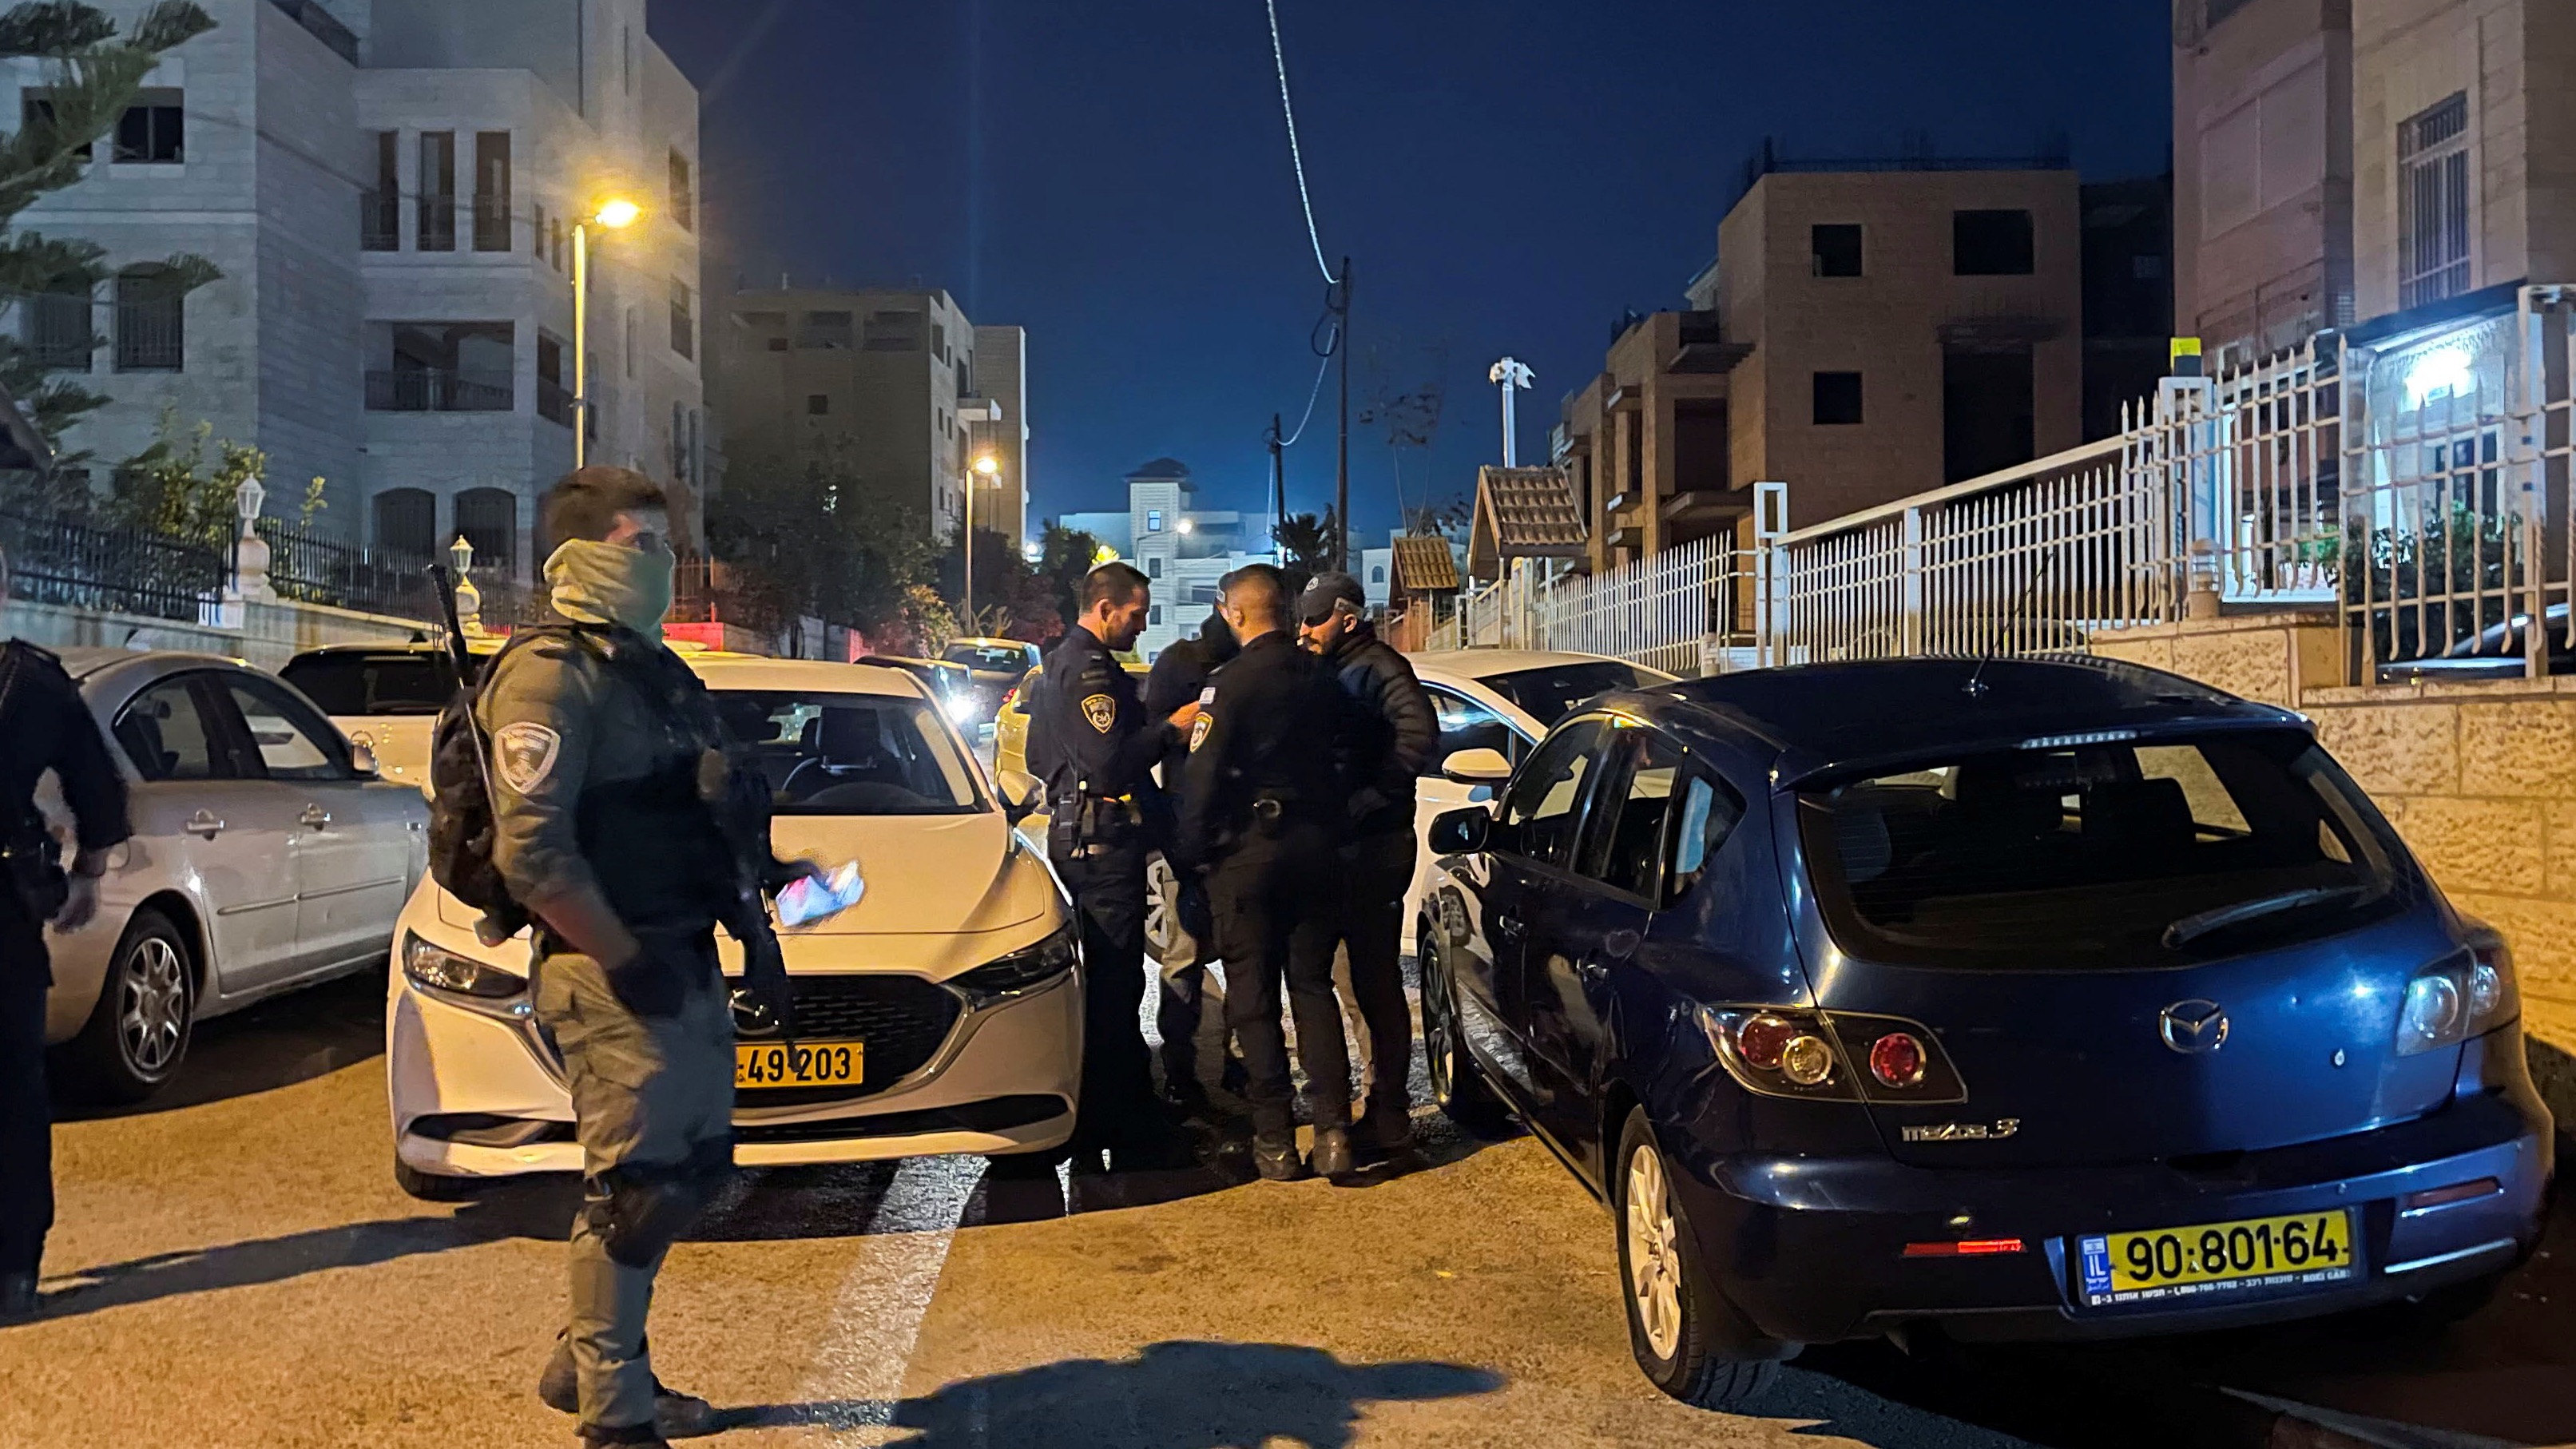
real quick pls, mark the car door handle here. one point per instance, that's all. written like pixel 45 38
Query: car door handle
pixel 315 817
pixel 1509 926
pixel 204 823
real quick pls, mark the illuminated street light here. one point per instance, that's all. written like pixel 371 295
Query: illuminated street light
pixel 1185 526
pixel 985 466
pixel 616 214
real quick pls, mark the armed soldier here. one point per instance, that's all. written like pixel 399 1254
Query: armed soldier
pixel 609 797
pixel 1183 1015
pixel 1260 808
pixel 1095 747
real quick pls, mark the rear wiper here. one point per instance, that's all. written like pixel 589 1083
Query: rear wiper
pixel 2192 928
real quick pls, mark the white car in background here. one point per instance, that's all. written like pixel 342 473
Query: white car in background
pixel 385 697
pixel 267 855
pixel 941 1014
pixel 1501 700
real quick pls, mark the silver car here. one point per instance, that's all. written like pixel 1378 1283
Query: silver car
pixel 267 855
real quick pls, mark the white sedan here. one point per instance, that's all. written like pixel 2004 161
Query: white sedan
pixel 1501 700
pixel 942 1014
pixel 267 855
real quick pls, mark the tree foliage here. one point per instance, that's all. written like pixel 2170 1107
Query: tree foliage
pixel 808 535
pixel 167 489
pixel 1313 546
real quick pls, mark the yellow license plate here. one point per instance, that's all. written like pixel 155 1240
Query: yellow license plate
pixel 2166 1264
pixel 806 1064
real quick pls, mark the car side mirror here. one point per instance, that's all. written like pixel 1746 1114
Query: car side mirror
pixel 1021 794
pixel 1461 832
pixel 1477 767
pixel 362 761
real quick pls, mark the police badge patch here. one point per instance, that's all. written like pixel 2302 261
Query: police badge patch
pixel 1101 710
pixel 524 753
pixel 1199 731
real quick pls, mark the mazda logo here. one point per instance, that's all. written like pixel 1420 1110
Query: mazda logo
pixel 2193 1027
pixel 752 1016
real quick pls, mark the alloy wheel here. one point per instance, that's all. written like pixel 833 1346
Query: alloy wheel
pixel 1439 1028
pixel 1654 1252
pixel 1162 895
pixel 152 1006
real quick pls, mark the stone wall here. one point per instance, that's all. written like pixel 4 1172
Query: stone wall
pixel 267 635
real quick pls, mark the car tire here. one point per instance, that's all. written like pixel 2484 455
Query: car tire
pixel 1689 1340
pixel 1458 1086
pixel 138 1033
pixel 434 1186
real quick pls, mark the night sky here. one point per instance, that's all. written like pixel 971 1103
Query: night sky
pixel 1508 176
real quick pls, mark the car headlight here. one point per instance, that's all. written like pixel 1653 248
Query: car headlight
pixel 463 979
pixel 2458 997
pixel 961 709
pixel 1024 970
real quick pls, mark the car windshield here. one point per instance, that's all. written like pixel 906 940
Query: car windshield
pixel 1550 694
pixel 2110 855
pixel 987 656
pixel 347 684
pixel 850 754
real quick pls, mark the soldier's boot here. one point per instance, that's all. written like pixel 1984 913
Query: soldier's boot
pixel 1332 1154
pixel 17 1296
pixel 675 1415
pixel 1275 1158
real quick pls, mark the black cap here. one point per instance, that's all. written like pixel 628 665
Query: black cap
pixel 1316 605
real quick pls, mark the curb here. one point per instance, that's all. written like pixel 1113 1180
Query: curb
pixel 2305 1426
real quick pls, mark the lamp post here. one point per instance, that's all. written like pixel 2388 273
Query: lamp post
pixel 250 551
pixel 616 214
pixel 469 599
pixel 1511 375
pixel 986 466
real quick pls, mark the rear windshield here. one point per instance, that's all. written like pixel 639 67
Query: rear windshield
pixel 987 656
pixel 374 684
pixel 850 754
pixel 1550 694
pixel 2100 855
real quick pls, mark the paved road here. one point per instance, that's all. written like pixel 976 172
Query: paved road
pixel 236 1268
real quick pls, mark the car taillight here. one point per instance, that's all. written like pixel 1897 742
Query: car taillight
pixel 2459 997
pixel 1783 1052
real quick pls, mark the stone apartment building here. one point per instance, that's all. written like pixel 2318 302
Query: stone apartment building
pixel 1868 331
pixel 2338 161
pixel 894 379
pixel 1183 549
pixel 388 187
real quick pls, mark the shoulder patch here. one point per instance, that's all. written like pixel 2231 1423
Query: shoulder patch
pixel 1199 730
pixel 1101 711
pixel 524 753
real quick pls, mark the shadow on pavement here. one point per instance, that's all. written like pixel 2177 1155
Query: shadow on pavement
pixel 293 1038
pixel 538 1208
pixel 1180 1395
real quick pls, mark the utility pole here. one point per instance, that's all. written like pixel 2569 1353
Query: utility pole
pixel 1278 487
pixel 1511 375
pixel 1342 471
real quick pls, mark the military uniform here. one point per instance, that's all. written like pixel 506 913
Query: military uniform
pixel 606 762
pixel 1093 744
pixel 43 726
pixel 1260 808
pixel 1191 1013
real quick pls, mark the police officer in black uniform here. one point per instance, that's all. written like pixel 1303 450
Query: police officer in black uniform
pixel 1260 806
pixel 1180 673
pixel 43 726
pixel 1095 746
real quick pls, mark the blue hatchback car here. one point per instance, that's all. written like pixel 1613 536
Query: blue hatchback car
pixel 2013 999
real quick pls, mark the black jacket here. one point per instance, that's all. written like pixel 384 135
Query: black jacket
pixel 1182 670
pixel 1266 736
pixel 45 726
pixel 1391 736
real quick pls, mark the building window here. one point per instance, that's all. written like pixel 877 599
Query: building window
pixel 632 348
pixel 36 110
pixel 153 131
pixel 441 367
pixel 555 231
pixel 894 332
pixel 1157 619
pixel 489 519
pixel 1153 520
pixel 1377 573
pixel 491 191
pixel 626 51
pixel 939 340
pixel 56 329
pixel 1989 417
pixel 684 319
pixel 554 400
pixel 537 230
pixel 1992 244
pixel 831 332
pixel 1837 249
pixel 1153 568
pixel 437 191
pixel 684 196
pixel 407 522
pixel 1837 399
pixel 2433 203
pixel 151 320
pixel 817 405
pixel 380 207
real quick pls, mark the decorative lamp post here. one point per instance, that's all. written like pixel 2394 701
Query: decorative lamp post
pixel 250 551
pixel 469 599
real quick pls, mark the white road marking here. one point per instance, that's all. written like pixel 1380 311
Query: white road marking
pixel 876 1317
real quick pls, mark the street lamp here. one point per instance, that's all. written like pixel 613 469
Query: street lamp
pixel 469 599
pixel 617 213
pixel 986 466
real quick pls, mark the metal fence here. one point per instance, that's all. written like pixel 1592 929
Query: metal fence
pixel 309 568
pixel 73 564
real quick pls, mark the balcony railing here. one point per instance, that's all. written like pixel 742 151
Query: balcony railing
pixel 379 221
pixel 554 402
pixel 438 223
pixel 426 390
pixel 491 222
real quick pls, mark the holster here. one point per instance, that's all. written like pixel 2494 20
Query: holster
pixel 33 862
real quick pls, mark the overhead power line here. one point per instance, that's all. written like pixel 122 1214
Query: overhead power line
pixel 1296 156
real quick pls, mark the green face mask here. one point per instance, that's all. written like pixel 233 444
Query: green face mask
pixel 607 583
